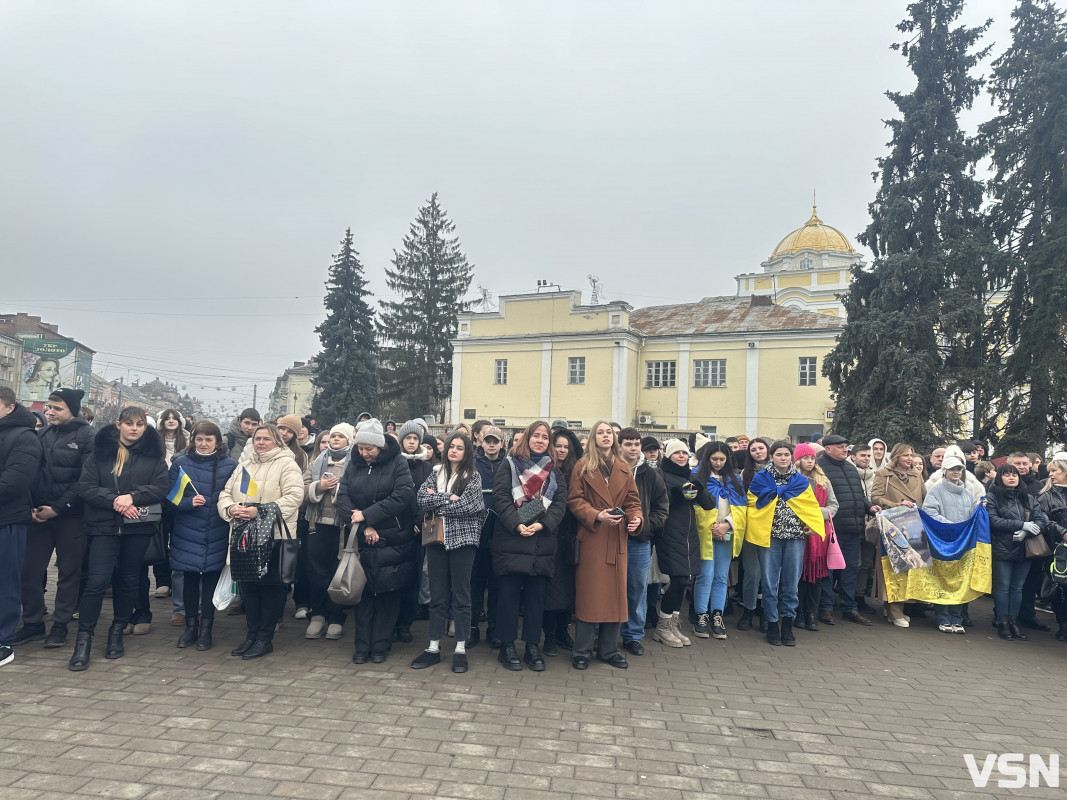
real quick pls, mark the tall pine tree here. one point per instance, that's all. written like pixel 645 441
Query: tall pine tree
pixel 1027 144
pixel 911 353
pixel 346 376
pixel 431 276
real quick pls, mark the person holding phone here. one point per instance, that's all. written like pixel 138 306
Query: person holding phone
pixel 321 479
pixel 603 498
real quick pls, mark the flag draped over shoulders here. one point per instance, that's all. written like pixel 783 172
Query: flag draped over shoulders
pixel 708 517
pixel 962 563
pixel 764 494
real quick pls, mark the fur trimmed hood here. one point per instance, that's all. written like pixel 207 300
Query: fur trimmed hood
pixel 106 444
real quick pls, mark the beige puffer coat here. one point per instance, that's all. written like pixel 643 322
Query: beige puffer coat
pixel 278 480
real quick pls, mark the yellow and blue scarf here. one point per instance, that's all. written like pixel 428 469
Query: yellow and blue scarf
pixel 763 497
pixel 706 518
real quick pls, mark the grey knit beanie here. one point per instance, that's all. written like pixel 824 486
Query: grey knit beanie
pixel 408 428
pixel 370 432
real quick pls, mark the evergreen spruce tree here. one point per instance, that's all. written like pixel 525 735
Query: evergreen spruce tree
pixel 431 276
pixel 1027 143
pixel 346 378
pixel 911 350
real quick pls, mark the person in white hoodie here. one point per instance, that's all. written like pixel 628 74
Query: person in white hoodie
pixel 972 484
pixel 879 454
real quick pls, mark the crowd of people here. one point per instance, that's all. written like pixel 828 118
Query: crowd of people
pixel 591 542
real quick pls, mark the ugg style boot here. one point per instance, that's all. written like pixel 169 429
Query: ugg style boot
pixel 664 632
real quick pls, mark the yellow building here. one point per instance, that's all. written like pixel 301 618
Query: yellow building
pixel 723 365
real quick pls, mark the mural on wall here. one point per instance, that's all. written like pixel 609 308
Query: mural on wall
pixel 50 364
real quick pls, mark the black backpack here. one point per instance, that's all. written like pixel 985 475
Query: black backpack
pixel 1058 567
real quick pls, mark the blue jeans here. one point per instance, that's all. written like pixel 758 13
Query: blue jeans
pixel 1008 580
pixel 638 559
pixel 752 558
pixel 12 555
pixel 710 584
pixel 177 591
pixel 783 564
pixel 850 549
pixel 950 615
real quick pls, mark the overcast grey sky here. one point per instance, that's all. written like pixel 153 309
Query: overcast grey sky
pixel 219 149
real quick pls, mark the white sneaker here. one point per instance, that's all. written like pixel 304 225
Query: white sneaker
pixel 162 591
pixel 947 628
pixel 333 631
pixel 314 630
pixel 958 629
pixel 302 613
pixel 902 623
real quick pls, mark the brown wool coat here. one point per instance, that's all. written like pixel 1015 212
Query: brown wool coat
pixel 890 488
pixel 600 577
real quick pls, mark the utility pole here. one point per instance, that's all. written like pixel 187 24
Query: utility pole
pixel 255 388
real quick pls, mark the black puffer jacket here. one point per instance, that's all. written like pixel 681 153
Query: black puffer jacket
pixel 1054 504
pixel 1008 510
pixel 144 478
pixel 66 449
pixel 513 553
pixel 20 459
pixel 853 505
pixel 384 492
pixel 654 501
pixel 677 543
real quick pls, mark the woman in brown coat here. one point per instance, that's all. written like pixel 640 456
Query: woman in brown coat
pixel 600 483
pixel 896 484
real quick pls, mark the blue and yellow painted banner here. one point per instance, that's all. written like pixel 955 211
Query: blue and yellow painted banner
pixel 763 497
pixel 962 568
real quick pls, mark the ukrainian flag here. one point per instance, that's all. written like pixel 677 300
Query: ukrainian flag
pixel 248 486
pixel 707 518
pixel 763 497
pixel 962 568
pixel 178 490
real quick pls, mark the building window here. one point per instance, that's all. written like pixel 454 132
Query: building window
pixel 711 431
pixel 709 372
pixel 807 371
pixel 576 369
pixel 806 263
pixel 659 374
pixel 500 375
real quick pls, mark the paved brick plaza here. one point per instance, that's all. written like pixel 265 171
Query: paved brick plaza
pixel 850 712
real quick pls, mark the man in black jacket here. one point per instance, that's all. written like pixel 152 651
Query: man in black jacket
pixel 654 504
pixel 849 521
pixel 488 457
pixel 57 519
pixel 20 458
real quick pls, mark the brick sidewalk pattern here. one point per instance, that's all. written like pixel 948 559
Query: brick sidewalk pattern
pixel 849 712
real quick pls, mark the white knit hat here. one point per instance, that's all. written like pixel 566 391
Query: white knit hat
pixel 345 430
pixel 674 446
pixel 370 432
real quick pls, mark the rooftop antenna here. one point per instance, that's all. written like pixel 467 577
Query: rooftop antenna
pixel 598 289
pixel 487 299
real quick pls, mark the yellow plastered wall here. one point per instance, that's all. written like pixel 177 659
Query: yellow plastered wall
pixel 832 278
pixel 782 401
pixel 520 397
pixel 803 280
pixel 723 407
pixel 588 401
pixel 542 314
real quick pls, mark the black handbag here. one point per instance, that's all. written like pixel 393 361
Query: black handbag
pixel 158 552
pixel 281 567
pixel 531 511
pixel 252 544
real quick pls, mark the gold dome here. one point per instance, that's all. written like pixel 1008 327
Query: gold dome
pixel 813 236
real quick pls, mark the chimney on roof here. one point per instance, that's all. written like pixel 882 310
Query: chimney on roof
pixel 297 364
pixel 762 300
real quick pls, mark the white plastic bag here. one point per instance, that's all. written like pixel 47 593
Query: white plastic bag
pixel 225 591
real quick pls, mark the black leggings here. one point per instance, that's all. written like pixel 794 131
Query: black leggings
pixel 675 594
pixel 119 557
pixel 200 587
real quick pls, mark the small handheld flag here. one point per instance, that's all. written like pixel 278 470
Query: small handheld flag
pixel 178 490
pixel 248 486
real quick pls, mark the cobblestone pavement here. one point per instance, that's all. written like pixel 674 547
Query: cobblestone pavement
pixel 850 712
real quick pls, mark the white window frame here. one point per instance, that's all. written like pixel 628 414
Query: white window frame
pixel 709 373
pixel 500 372
pixel 661 374
pixel 576 370
pixel 808 368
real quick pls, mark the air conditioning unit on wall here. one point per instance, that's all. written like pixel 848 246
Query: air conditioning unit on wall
pixel 645 419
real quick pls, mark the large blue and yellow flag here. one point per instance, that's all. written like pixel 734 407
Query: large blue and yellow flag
pixel 705 518
pixel 962 568
pixel 763 497
pixel 176 491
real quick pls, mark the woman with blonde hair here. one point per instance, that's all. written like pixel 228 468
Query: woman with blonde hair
pixel 602 486
pixel 273 476
pixel 896 485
